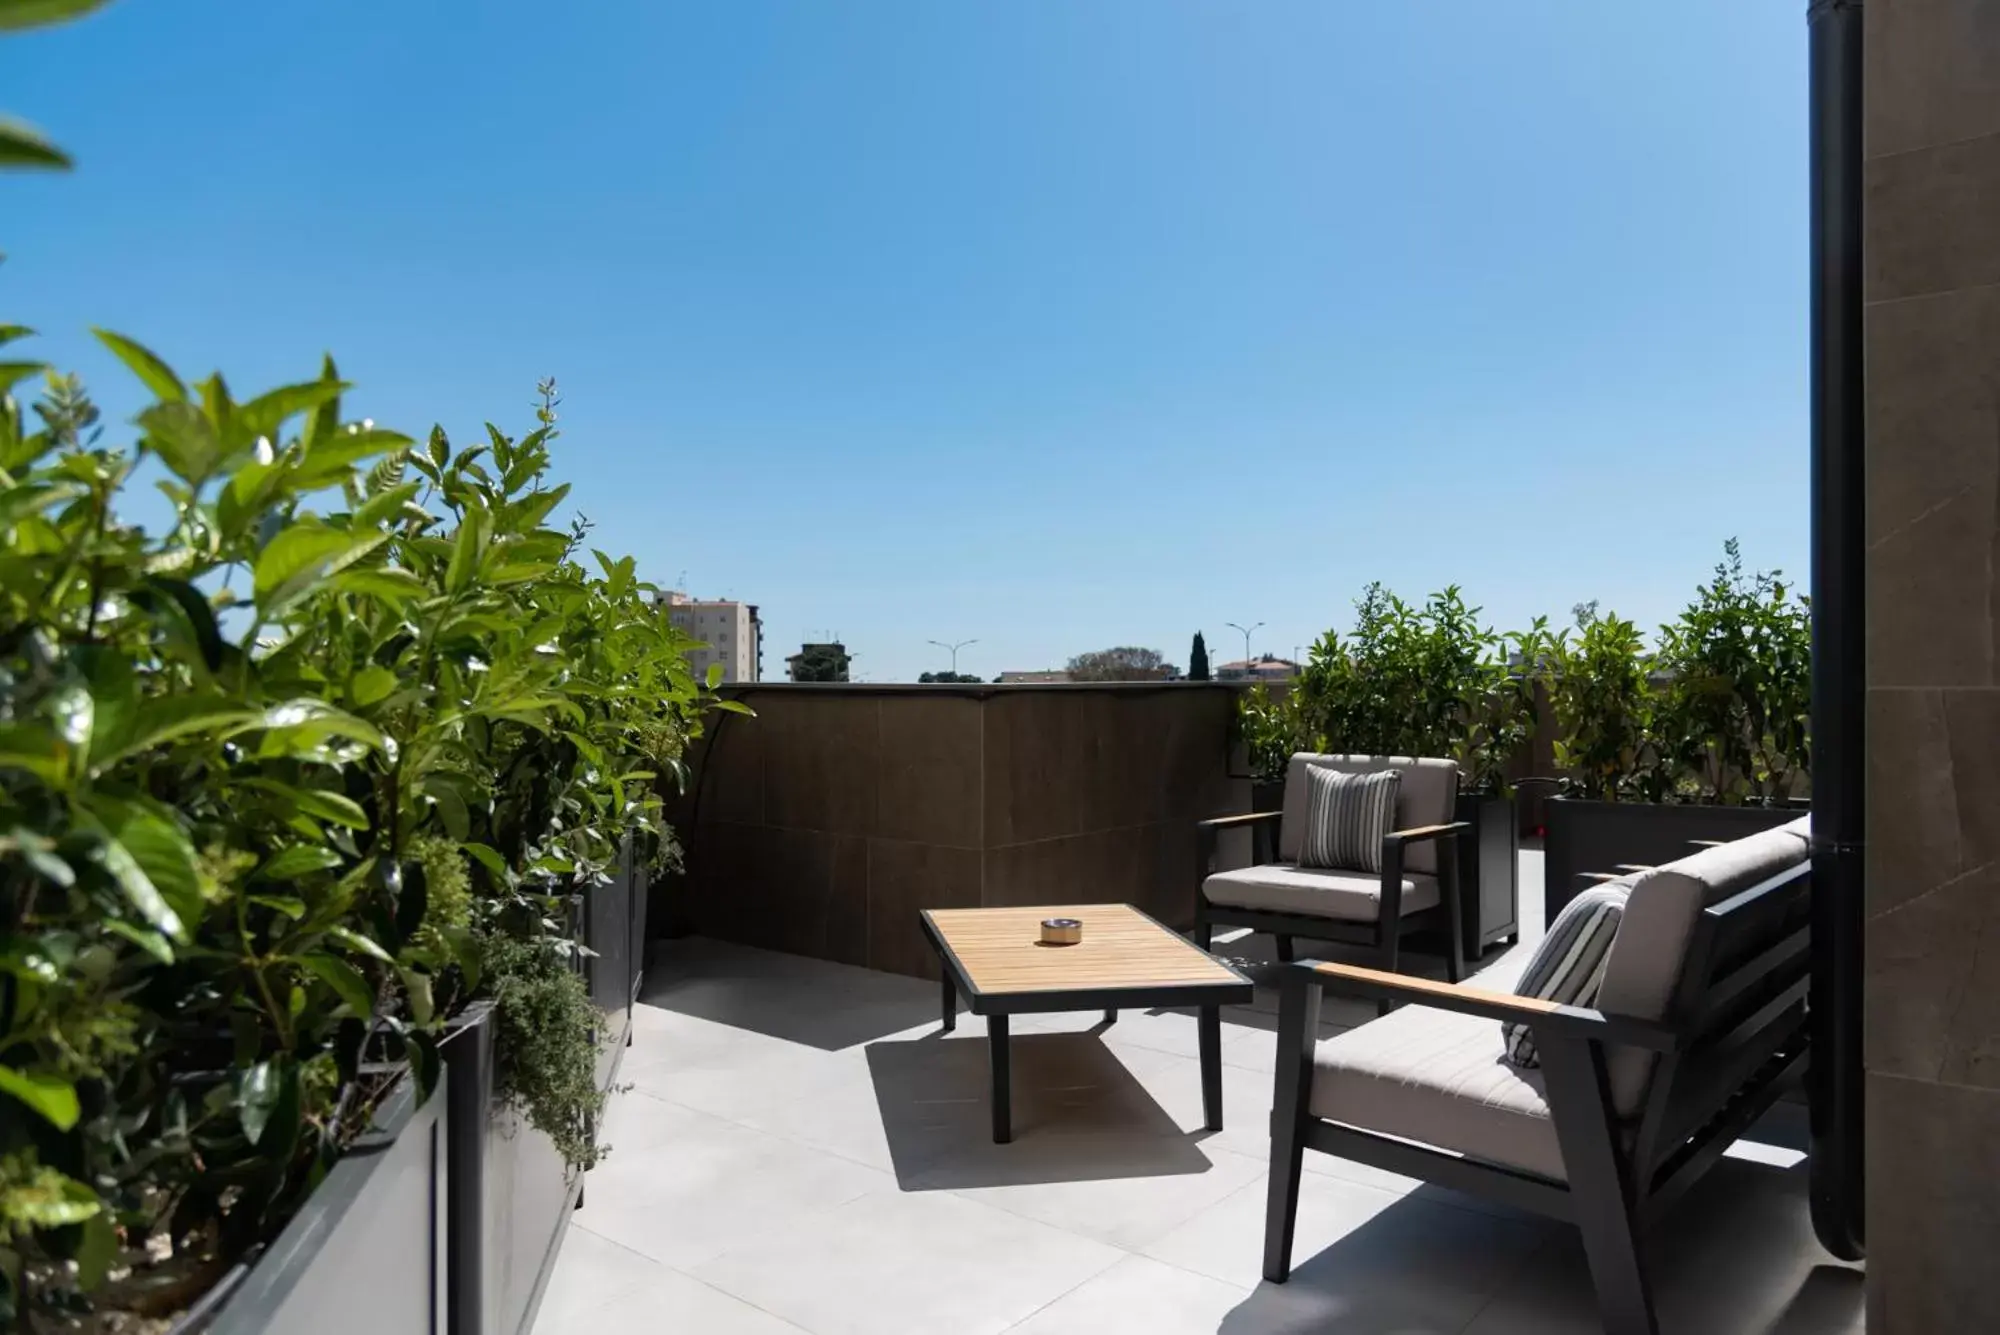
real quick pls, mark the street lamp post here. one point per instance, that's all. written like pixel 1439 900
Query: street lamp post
pixel 953 649
pixel 1246 641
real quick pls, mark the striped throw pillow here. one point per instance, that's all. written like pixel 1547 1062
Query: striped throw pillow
pixel 1347 816
pixel 1568 965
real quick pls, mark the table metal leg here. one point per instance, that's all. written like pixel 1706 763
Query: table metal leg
pixel 1001 1057
pixel 1210 1027
pixel 1110 1015
pixel 950 1000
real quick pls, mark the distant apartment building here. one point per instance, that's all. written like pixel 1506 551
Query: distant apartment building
pixel 1045 678
pixel 1266 668
pixel 731 634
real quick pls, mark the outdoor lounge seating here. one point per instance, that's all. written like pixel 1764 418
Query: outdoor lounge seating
pixel 1416 888
pixel 1699 1021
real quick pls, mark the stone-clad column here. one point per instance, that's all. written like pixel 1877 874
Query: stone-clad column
pixel 1932 998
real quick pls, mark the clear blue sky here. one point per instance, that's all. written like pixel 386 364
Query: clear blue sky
pixel 1055 324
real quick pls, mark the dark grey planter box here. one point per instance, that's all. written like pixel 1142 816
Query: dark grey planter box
pixel 367 1251
pixel 511 1195
pixel 1489 873
pixel 1587 836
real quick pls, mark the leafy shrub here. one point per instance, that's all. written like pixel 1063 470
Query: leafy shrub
pixel 1602 702
pixel 273 780
pixel 1733 720
pixel 1413 681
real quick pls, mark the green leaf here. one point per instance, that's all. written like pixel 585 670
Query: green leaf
pixel 714 675
pixel 487 858
pixel 384 505
pixel 372 683
pixel 161 857
pixel 48 1199
pixel 13 373
pixel 418 986
pixel 257 1091
pixel 385 582
pixel 16 14
pixel 33 747
pixel 154 373
pixel 129 872
pixel 169 717
pixel 734 707
pixel 267 413
pixel 10 332
pixel 335 459
pixel 345 980
pixel 151 942
pixel 352 939
pixel 306 723
pixel 50 1095
pixel 300 557
pixel 96 1250
pixel 289 905
pixel 468 546
pixel 181 434
pixel 335 807
pixel 23 146
pixel 298 860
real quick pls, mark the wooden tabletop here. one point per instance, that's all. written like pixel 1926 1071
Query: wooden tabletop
pixel 1000 951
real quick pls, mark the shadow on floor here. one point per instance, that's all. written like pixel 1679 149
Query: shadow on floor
pixel 1736 1257
pixel 1079 1115
pixel 820 1004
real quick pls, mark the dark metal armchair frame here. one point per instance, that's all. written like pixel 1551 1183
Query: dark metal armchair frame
pixel 1736 1032
pixel 1384 935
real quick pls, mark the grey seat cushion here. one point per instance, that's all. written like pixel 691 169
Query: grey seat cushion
pixel 1347 896
pixel 1643 970
pixel 1426 795
pixel 1438 1078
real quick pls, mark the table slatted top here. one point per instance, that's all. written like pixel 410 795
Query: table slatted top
pixel 1000 950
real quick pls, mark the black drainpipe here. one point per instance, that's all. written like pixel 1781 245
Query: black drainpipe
pixel 1839 572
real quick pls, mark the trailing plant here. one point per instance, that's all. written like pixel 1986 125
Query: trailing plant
pixel 545 1025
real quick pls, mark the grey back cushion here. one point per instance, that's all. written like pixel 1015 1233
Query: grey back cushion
pixel 1568 964
pixel 1427 794
pixel 1347 816
pixel 1643 970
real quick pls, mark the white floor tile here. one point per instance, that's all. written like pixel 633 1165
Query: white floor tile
pixel 1139 1297
pixel 591 1273
pixel 907 1263
pixel 710 1185
pixel 1356 1249
pixel 1128 1211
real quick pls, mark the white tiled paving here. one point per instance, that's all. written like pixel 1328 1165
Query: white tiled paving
pixel 800 1150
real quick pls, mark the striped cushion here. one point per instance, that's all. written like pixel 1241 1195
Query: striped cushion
pixel 1347 816
pixel 1569 963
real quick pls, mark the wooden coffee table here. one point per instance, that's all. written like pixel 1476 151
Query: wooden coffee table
pixel 995 959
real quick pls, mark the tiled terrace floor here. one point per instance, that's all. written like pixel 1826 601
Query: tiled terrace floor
pixel 801 1150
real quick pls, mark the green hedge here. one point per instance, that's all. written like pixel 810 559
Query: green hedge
pixel 1716 710
pixel 279 778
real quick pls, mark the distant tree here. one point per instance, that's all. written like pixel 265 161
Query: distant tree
pixel 948 678
pixel 1122 664
pixel 1198 659
pixel 820 662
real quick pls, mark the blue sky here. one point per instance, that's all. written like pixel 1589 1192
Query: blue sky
pixel 1058 325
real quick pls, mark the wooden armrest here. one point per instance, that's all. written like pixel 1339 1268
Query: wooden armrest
pixel 1244 818
pixel 1421 832
pixel 1354 980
